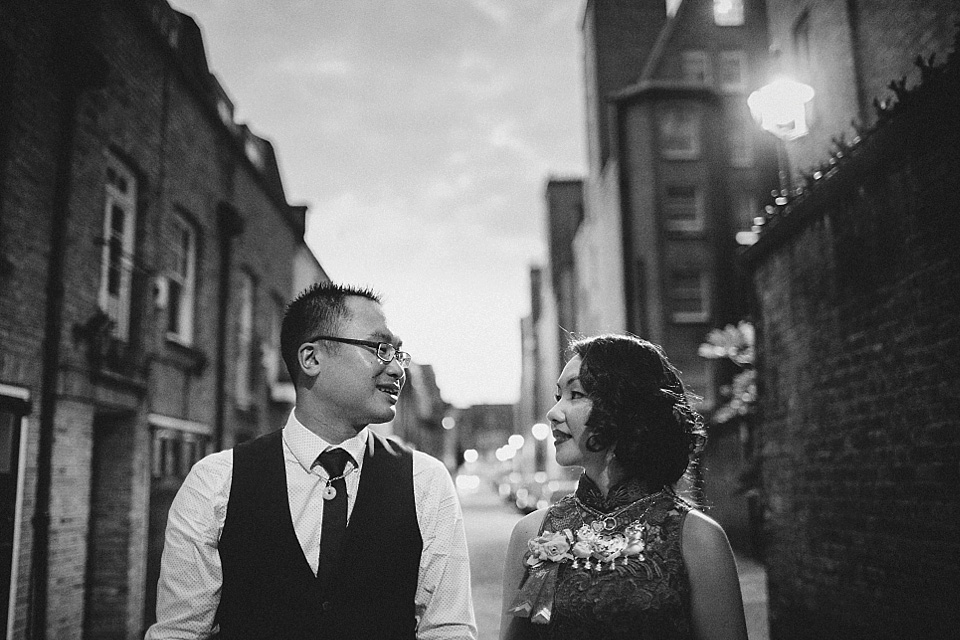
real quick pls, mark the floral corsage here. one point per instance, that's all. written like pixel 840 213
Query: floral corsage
pixel 589 547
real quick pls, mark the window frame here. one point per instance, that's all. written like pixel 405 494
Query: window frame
pixel 702 293
pixel 118 199
pixel 176 445
pixel 741 63
pixel 735 17
pixel 692 58
pixel 183 333
pixel 694 224
pixel 677 113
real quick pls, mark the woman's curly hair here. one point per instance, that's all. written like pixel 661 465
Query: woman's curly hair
pixel 640 407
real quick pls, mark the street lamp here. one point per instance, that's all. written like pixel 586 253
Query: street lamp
pixel 781 108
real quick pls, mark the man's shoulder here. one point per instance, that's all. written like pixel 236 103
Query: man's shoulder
pixel 427 462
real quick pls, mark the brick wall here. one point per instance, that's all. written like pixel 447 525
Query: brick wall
pixel 858 289
pixel 153 113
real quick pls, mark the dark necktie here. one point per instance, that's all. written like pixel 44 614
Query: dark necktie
pixel 334 524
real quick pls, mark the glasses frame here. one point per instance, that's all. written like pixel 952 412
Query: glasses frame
pixel 402 357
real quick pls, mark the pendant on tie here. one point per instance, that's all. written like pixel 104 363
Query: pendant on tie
pixel 329 492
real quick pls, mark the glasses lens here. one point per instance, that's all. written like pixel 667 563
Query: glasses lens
pixel 403 358
pixel 386 351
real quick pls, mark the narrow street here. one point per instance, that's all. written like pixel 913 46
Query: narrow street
pixel 489 521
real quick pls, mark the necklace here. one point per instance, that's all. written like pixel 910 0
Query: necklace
pixel 608 521
pixel 329 491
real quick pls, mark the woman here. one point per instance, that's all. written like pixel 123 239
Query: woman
pixel 624 556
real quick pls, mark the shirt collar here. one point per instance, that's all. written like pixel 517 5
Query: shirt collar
pixel 306 445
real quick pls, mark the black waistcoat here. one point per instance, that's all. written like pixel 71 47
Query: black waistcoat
pixel 269 590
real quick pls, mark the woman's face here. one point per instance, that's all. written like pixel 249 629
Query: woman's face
pixel 568 419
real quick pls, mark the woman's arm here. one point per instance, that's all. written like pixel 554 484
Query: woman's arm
pixel 512 627
pixel 715 600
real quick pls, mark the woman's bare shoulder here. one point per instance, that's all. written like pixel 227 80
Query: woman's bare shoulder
pixel 528 526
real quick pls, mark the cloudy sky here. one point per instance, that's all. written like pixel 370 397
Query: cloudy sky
pixel 421 135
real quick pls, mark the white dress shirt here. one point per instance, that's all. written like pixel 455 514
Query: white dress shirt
pixel 188 592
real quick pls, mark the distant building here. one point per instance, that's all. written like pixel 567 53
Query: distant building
pixel 564 214
pixel 676 168
pixel 541 360
pixel 147 251
pixel 485 427
pixel 420 414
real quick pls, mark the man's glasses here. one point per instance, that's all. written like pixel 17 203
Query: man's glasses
pixel 386 352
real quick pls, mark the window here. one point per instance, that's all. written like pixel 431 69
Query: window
pixel 175 451
pixel 272 361
pixel 683 207
pixel 182 280
pixel 739 143
pixel 696 67
pixel 728 13
pixel 689 294
pixel 244 369
pixel 116 261
pixel 679 133
pixel 732 71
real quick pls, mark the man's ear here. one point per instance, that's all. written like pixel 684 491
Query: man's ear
pixel 308 357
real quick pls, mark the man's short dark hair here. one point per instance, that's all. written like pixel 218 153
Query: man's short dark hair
pixel 320 309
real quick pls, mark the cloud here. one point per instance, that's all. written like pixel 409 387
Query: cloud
pixel 420 134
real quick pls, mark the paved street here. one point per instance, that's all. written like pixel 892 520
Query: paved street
pixel 489 522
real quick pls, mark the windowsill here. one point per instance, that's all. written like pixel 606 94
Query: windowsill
pixel 686 156
pixel 186 356
pixel 686 231
pixel 690 317
pixel 179 340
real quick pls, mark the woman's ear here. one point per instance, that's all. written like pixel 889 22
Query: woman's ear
pixel 308 357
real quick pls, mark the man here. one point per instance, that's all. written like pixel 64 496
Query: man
pixel 366 541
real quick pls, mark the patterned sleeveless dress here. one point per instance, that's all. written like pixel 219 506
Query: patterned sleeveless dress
pixel 646 596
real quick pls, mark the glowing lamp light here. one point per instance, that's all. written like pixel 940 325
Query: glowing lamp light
pixel 781 108
pixel 471 455
pixel 448 423
pixel 515 441
pixel 540 431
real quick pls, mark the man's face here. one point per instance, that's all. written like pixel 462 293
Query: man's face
pixel 354 387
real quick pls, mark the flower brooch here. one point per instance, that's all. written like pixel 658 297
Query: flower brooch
pixel 588 545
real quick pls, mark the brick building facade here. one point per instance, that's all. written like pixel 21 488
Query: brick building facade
pixel 676 169
pixel 858 287
pixel 146 252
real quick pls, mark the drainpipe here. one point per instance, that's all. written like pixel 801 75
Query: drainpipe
pixel 229 226
pixel 77 68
